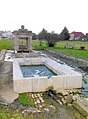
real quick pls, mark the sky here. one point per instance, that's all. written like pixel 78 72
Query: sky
pixel 53 15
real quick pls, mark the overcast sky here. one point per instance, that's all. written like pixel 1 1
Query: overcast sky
pixel 52 15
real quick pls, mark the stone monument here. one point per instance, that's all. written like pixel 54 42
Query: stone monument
pixel 22 40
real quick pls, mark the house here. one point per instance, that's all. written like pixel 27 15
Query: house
pixel 76 35
pixel 7 34
pixel 1 32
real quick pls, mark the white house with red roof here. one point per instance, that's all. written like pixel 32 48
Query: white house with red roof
pixel 76 35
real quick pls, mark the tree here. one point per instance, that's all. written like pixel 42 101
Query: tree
pixel 34 37
pixel 41 35
pixel 51 39
pixel 86 36
pixel 64 35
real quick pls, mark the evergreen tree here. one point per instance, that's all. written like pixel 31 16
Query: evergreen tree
pixel 64 35
pixel 41 36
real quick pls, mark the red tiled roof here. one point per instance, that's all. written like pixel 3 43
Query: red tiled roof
pixel 77 34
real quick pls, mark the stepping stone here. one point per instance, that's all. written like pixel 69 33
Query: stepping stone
pixel 40 105
pixel 35 95
pixel 41 94
pixel 64 93
pixel 35 103
pixel 38 101
pixel 32 96
pixel 59 102
pixel 41 99
pixel 38 95
pixel 64 101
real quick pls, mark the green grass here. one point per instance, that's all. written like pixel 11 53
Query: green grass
pixel 6 113
pixel 85 81
pixel 6 44
pixel 74 52
pixel 25 99
pixel 77 44
pixel 59 47
pixel 36 45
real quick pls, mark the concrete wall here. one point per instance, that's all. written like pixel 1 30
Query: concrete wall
pixel 66 78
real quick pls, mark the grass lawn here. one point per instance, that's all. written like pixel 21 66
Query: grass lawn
pixel 36 44
pixel 60 48
pixel 76 51
pixel 8 44
pixel 77 44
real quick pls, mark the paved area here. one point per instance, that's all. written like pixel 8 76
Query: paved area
pixel 7 95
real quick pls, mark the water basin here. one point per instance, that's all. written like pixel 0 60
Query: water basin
pixel 36 71
pixel 37 74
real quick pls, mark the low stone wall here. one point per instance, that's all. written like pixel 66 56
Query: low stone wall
pixel 66 78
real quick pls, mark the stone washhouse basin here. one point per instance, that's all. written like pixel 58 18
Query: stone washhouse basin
pixel 65 77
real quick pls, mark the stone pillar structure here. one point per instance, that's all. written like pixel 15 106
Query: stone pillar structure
pixel 16 43
pixel 22 34
pixel 30 43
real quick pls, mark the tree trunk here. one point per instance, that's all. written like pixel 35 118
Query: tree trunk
pixel 51 45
